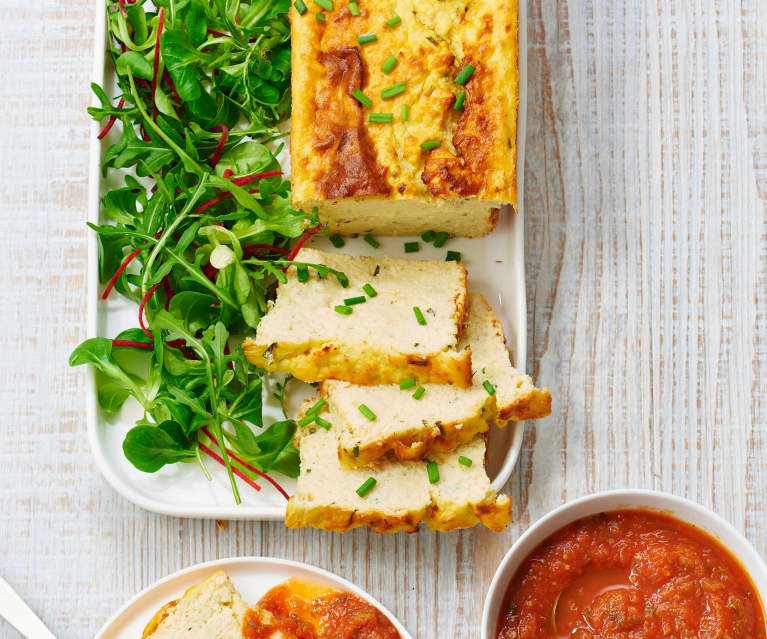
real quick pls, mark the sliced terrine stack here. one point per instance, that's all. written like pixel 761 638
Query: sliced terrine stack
pixel 412 373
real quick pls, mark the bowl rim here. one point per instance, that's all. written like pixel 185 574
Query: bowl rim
pixel 706 520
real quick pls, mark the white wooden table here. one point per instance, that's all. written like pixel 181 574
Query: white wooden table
pixel 647 261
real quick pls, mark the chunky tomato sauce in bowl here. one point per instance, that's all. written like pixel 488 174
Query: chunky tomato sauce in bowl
pixel 628 565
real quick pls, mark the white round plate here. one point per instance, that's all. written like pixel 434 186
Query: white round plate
pixel 252 576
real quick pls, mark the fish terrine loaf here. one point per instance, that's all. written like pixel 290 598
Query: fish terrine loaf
pixel 404 117
pixel 379 341
pixel 410 423
pixel 403 495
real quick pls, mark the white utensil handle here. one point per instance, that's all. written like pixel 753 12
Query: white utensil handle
pixel 20 615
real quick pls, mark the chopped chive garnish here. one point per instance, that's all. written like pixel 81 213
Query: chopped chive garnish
pixel 393 21
pixel 407 383
pixel 324 423
pixel 405 112
pixel 344 310
pixel 370 290
pixel 302 273
pixel 419 392
pixel 394 89
pixel 465 461
pixel 380 117
pixel 354 9
pixel 325 4
pixel 433 472
pixel 390 63
pixel 319 404
pixel 307 419
pixel 356 451
pixel 453 256
pixel 428 236
pixel 430 144
pixel 351 301
pixel 336 240
pixel 316 407
pixel 489 387
pixel 372 241
pixel 412 247
pixel 464 75
pixel 367 412
pixel 367 37
pixel 320 16
pixel 362 98
pixel 442 237
pixel 459 100
pixel 300 7
pixel 366 487
pixel 419 316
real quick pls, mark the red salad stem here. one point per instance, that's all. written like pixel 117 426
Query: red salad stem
pixel 218 34
pixel 131 344
pixel 119 272
pixel 171 84
pixel 211 202
pixel 123 266
pixel 246 179
pixel 210 271
pixel 252 248
pixel 141 306
pixel 228 352
pixel 180 345
pixel 228 173
pixel 239 182
pixel 236 471
pixel 157 62
pixel 302 240
pixel 168 292
pixel 221 142
pixel 279 488
pixel 111 121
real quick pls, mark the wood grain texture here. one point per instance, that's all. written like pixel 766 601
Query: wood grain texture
pixel 647 272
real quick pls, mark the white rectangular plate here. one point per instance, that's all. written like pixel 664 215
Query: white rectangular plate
pixel 496 266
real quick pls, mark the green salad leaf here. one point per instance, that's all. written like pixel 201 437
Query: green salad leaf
pixel 197 227
pixel 149 448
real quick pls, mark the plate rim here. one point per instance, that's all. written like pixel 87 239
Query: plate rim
pixel 516 238
pixel 220 564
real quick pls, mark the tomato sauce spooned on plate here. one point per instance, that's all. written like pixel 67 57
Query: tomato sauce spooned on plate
pixel 303 609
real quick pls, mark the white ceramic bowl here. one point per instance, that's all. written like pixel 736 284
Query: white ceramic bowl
pixel 619 500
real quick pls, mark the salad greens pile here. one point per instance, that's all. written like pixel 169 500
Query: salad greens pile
pixel 200 230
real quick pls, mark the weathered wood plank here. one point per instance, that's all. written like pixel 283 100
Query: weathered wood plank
pixel 647 303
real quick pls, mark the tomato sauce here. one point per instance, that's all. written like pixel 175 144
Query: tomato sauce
pixel 305 610
pixel 631 575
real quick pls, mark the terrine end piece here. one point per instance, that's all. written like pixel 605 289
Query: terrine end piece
pixel 441 153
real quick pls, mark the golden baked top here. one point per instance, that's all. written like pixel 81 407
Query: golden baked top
pixel 337 152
